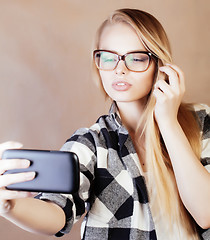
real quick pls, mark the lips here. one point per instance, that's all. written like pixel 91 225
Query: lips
pixel 121 86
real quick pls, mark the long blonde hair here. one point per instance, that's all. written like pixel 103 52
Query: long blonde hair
pixel 160 171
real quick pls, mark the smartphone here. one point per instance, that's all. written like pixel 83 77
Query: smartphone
pixel 56 171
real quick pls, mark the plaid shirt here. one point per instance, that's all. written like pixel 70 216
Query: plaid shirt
pixel 112 186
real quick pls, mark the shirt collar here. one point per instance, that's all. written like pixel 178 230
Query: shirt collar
pixel 114 113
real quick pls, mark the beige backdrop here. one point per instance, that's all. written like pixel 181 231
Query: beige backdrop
pixel 46 87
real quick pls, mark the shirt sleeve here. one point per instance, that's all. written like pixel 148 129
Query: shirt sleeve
pixel 73 205
pixel 203 112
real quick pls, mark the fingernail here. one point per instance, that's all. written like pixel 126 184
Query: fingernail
pixel 161 68
pixel 16 144
pixel 30 175
pixel 32 194
pixel 25 163
pixel 23 194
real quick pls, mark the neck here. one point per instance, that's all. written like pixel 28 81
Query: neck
pixel 130 113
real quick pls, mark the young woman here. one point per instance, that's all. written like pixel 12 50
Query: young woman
pixel 144 166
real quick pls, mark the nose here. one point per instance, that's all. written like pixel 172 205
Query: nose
pixel 121 68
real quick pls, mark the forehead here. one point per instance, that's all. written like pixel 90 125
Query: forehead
pixel 121 38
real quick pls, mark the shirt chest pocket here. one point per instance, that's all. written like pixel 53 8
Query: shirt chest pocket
pixel 113 194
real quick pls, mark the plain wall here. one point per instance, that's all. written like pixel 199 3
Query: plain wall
pixel 46 88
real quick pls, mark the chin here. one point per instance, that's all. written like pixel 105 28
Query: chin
pixel 125 100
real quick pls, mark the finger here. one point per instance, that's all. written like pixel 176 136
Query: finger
pixel 159 95
pixel 163 87
pixel 32 194
pixel 7 179
pixel 9 145
pixel 172 76
pixel 10 164
pixel 10 194
pixel 180 74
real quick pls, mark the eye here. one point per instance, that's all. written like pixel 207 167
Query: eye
pixel 108 57
pixel 139 59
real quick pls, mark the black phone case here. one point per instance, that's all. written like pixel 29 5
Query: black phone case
pixel 56 171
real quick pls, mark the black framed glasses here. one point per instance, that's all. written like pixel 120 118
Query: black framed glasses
pixel 138 61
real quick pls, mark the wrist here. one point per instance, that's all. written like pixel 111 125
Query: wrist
pixel 167 124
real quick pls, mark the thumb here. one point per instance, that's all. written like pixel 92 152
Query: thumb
pixel 9 145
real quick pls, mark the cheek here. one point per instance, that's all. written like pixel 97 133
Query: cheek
pixel 104 75
pixel 145 79
pixel 150 80
pixel 105 78
pixel 149 77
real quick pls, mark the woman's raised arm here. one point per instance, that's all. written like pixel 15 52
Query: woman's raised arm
pixel 31 214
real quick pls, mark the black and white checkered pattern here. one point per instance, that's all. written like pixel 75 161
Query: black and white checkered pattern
pixel 112 186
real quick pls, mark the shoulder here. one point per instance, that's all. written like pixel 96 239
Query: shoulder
pixel 91 136
pixel 201 109
pixel 203 114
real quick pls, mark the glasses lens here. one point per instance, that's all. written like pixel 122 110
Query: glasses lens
pixel 137 61
pixel 106 60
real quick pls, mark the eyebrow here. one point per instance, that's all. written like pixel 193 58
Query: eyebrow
pixel 134 51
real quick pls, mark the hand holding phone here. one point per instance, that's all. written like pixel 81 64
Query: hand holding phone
pixel 56 171
pixel 7 179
